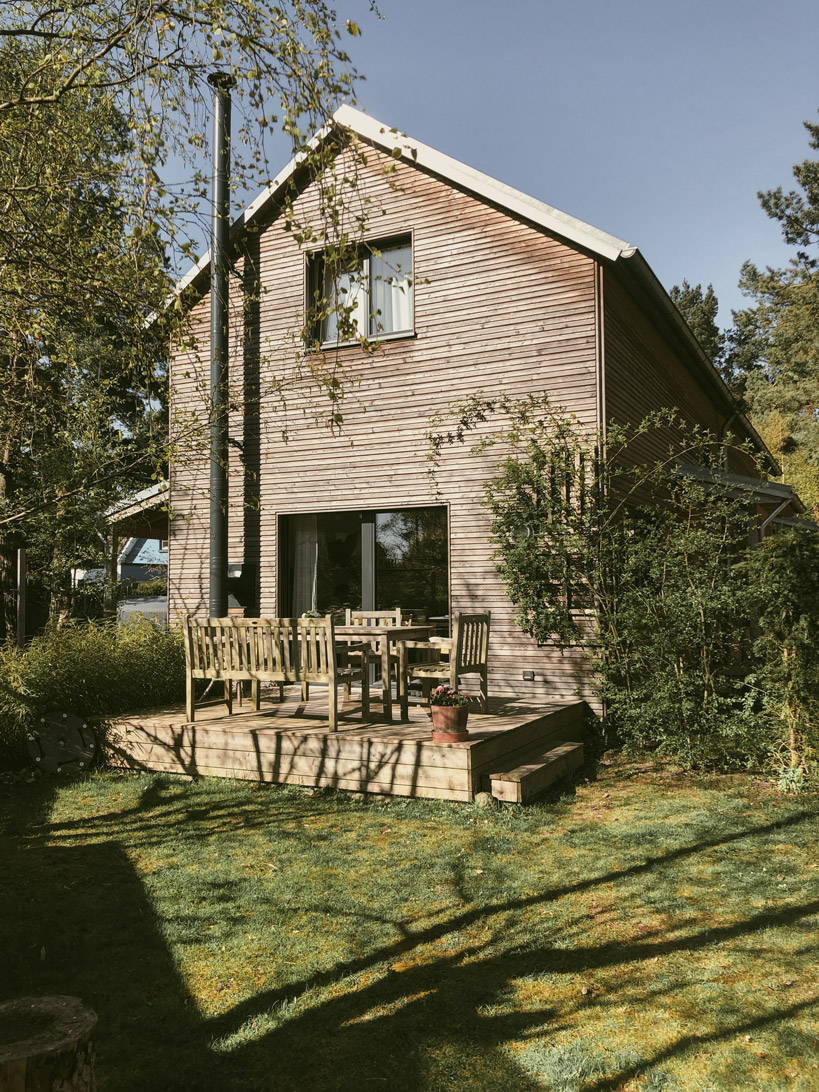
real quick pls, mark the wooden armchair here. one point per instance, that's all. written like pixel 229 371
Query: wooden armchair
pixel 466 654
pixel 373 617
pixel 319 663
pixel 369 618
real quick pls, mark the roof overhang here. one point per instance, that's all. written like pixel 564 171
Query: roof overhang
pixel 754 490
pixel 143 514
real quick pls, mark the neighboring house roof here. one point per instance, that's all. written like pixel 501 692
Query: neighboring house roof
pixel 520 205
pixel 136 502
pixel 143 551
pixel 143 514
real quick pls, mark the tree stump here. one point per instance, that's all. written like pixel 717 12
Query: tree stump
pixel 45 1045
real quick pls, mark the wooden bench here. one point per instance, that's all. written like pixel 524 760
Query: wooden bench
pixel 273 650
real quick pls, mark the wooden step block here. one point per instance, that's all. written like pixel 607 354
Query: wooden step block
pixel 527 781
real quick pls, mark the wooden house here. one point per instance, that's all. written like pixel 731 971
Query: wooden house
pixel 477 288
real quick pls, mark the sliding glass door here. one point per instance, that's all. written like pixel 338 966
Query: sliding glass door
pixel 412 562
pixel 330 561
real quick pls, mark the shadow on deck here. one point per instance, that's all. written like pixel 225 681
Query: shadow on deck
pixel 514 750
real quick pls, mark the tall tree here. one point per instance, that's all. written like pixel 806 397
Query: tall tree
pixel 96 99
pixel 699 309
pixel 82 379
pixel 773 348
pixel 153 57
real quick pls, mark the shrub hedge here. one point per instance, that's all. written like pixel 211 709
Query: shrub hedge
pixel 633 547
pixel 92 669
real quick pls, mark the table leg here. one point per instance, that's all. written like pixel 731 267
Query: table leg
pixel 386 679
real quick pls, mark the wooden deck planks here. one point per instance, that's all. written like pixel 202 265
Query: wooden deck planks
pixel 527 781
pixel 290 743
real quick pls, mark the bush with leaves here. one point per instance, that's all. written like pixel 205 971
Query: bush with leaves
pixel 643 564
pixel 784 575
pixel 672 643
pixel 94 670
pixel 157 586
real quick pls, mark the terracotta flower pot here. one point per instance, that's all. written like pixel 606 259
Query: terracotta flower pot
pixel 449 723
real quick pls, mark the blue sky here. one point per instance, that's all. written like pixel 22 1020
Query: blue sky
pixel 654 120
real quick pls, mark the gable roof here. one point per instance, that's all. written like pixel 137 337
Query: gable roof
pixel 397 144
pixel 517 204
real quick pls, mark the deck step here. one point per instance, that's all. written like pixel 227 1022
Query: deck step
pixel 538 772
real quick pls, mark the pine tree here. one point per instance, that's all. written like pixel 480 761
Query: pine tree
pixel 772 356
pixel 699 309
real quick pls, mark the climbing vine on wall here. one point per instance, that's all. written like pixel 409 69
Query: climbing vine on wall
pixel 608 544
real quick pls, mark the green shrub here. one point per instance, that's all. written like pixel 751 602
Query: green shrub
pixel 784 575
pixel 91 669
pixel 633 548
pixel 142 589
pixel 673 644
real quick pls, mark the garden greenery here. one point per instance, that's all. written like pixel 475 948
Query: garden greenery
pixel 93 669
pixel 634 548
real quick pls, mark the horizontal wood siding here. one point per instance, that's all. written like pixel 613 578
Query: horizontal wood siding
pixel 499 306
pixel 648 367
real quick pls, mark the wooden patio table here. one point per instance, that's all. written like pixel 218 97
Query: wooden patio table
pixel 383 637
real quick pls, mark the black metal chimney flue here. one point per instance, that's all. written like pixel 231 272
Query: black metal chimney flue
pixel 221 83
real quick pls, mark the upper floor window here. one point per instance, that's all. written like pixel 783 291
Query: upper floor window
pixel 370 296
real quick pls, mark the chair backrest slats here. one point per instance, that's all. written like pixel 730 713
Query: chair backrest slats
pixel 211 649
pixel 471 641
pixel 373 617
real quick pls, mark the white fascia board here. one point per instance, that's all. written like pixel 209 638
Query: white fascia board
pixel 137 501
pixel 560 223
pixel 122 558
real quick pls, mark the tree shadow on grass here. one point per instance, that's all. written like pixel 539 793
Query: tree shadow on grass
pixel 405 1014
pixel 437 1027
pixel 484 912
pixel 85 928
pixel 440 1022
pixel 424 1012
pixel 76 920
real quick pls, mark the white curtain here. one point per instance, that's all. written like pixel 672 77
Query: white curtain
pixel 343 293
pixel 305 562
pixel 391 291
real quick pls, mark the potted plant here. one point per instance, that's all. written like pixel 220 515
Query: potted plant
pixel 449 711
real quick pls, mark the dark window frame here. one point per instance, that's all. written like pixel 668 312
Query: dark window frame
pixel 369 579
pixel 363 252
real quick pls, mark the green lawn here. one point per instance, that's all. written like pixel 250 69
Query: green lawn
pixel 652 931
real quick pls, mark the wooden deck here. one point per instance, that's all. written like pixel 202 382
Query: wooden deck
pixel 290 743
